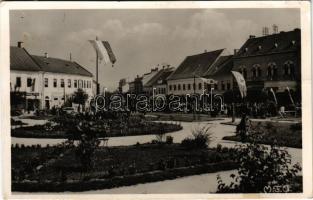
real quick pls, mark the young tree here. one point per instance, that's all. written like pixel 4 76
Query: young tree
pixel 80 97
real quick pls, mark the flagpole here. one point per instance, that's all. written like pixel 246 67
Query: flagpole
pixel 97 68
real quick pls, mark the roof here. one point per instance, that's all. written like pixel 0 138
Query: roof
pixel 21 60
pixel 222 66
pixel 161 75
pixel 286 41
pixel 195 65
pixel 56 65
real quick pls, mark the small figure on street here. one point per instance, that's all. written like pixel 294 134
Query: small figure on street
pixel 242 128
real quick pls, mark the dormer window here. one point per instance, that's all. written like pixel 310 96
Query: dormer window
pixel 259 47
pixel 275 45
pixel 293 42
pixel 246 49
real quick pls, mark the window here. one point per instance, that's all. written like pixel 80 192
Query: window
pixel 46 82
pixel 178 86
pixel 75 83
pixel 272 71
pixel 222 85
pixel 69 83
pixel 254 72
pixel 18 82
pixel 170 87
pixel 189 87
pixel 174 87
pixel 56 98
pixel 215 86
pixel 55 82
pixel 259 74
pixel 228 85
pixel 62 82
pixel 29 82
pixel 84 86
pixel 80 84
pixel 289 69
pixel 184 87
pixel 200 86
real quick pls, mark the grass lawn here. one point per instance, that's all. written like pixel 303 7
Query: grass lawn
pixel 283 134
pixel 114 165
pixel 184 117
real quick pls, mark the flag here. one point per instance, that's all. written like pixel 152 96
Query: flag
pixel 33 84
pixel 241 83
pixel 272 91
pixel 104 51
pixel 290 96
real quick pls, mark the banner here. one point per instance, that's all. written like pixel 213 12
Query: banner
pixel 272 91
pixel 241 83
pixel 104 51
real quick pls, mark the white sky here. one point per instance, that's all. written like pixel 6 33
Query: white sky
pixel 141 39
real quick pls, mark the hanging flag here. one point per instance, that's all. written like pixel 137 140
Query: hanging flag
pixel 207 80
pixel 290 96
pixel 241 83
pixel 272 91
pixel 104 51
pixel 33 84
pixel 109 51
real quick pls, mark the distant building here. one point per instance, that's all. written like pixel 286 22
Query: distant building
pixel 159 81
pixel 146 78
pixel 271 61
pixel 136 87
pixel 188 77
pixel 47 81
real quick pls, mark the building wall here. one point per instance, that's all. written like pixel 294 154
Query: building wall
pixel 263 61
pixel 227 80
pixel 179 84
pixel 55 95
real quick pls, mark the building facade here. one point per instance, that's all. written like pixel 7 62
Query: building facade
pixel 188 78
pixel 47 82
pixel 271 61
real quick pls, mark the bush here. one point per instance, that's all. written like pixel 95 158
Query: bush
pixel 169 140
pixel 201 138
pixel 260 168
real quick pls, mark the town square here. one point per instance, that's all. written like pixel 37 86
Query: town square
pixel 156 101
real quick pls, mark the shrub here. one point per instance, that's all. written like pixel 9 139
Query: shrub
pixel 260 168
pixel 201 138
pixel 219 148
pixel 169 140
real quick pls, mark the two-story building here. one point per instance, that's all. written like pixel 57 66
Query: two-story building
pixel 46 81
pixel 271 61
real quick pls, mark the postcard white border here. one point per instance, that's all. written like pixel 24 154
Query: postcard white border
pixel 5 7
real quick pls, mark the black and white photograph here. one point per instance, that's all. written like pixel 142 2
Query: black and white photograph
pixel 157 101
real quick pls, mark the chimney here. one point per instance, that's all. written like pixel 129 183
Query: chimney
pixel 20 44
pixel 46 55
pixel 252 36
pixel 205 51
pixel 265 31
pixel 275 29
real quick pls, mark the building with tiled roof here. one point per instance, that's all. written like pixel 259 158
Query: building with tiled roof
pixel 271 61
pixel 221 72
pixel 46 81
pixel 159 81
pixel 188 76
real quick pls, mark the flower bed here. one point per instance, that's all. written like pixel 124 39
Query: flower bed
pixel 58 169
pixel 281 134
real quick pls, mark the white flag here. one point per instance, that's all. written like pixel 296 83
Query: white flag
pixel 241 83
pixel 291 99
pixel 104 51
pixel 272 91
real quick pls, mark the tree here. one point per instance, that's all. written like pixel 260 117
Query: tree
pixel 80 97
pixel 261 169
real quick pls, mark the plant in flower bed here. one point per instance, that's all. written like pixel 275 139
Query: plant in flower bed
pixel 65 126
pixel 201 138
pixel 262 169
pixel 273 133
pixel 64 164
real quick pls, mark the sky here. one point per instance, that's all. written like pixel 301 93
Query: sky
pixel 141 39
